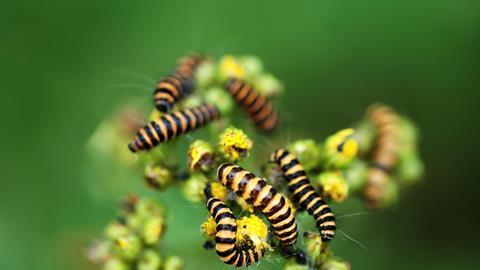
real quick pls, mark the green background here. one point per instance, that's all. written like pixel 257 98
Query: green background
pixel 62 66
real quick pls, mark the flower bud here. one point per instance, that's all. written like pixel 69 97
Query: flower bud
pixel 335 265
pixel 253 66
pixel 365 136
pixel 115 230
pixel 234 144
pixel 220 98
pixel 201 156
pixel 127 247
pixel 333 185
pixel 149 260
pixel 356 175
pixel 192 189
pixel 292 265
pixel 219 191
pixel 268 85
pixel 339 149
pixel 205 74
pixel 410 168
pixel 229 66
pixel 173 263
pixel 157 177
pixel 316 248
pixel 115 264
pixel 152 230
pixel 307 153
pixel 208 228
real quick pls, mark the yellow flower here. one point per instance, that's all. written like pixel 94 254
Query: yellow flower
pixel 334 185
pixel 219 191
pixel 229 66
pixel 234 144
pixel 201 156
pixel 208 227
pixel 252 230
pixel 157 177
pixel 152 230
pixel 340 149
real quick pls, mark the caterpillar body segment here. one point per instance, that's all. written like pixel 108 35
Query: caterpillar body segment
pixel 225 238
pixel 171 125
pixel 258 107
pixel 304 193
pixel 177 85
pixel 384 153
pixel 263 197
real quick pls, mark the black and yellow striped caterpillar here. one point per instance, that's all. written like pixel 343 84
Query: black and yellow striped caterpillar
pixel 170 125
pixel 384 153
pixel 263 197
pixel 258 107
pixel 225 236
pixel 304 192
pixel 178 84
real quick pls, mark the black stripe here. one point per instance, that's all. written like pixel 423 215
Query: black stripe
pixel 327 228
pixel 221 240
pixel 226 253
pixel 217 208
pixel 327 218
pixel 233 258
pixel 178 123
pixel 286 234
pixel 282 217
pixel 150 135
pixel 169 128
pixel 226 227
pixel 304 191
pixel 158 130
pixel 294 187
pixel 224 215
pixel 315 206
pixel 296 174
pixel 187 120
pixel 287 225
pixel 144 142
pixel 211 202
pixel 276 207
pixel 309 199
pixel 381 167
pixel 292 163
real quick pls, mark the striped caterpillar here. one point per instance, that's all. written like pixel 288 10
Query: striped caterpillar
pixel 178 84
pixel 304 193
pixel 384 154
pixel 225 236
pixel 263 197
pixel 258 107
pixel 170 125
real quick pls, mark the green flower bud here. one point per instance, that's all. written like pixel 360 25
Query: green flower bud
pixel 99 251
pixel 339 149
pixel 410 167
pixel 408 135
pixel 316 248
pixel 365 136
pixel 201 156
pixel 221 98
pixel 115 230
pixel 390 194
pixel 127 247
pixel 115 264
pixel 268 85
pixel 192 189
pixel 234 144
pixel 333 185
pixel 356 174
pixel 152 230
pixel 307 153
pixel 205 74
pixel 335 265
pixel 157 177
pixel 173 263
pixel 253 66
pixel 192 101
pixel 149 260
pixel 147 208
pixel 292 265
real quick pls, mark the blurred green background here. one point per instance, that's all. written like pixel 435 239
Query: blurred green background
pixel 63 64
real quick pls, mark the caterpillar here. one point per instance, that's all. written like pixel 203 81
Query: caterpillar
pixel 258 107
pixel 304 193
pixel 384 153
pixel 170 125
pixel 225 237
pixel 178 84
pixel 263 197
